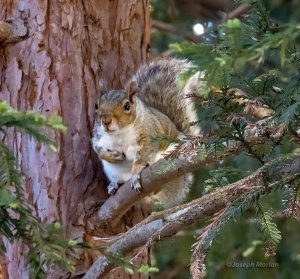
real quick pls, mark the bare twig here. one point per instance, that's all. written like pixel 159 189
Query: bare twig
pixel 239 11
pixel 167 27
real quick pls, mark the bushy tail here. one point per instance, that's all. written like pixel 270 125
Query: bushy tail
pixel 159 88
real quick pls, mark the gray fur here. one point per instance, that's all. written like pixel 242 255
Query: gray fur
pixel 158 84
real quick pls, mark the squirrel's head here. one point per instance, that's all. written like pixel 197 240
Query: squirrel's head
pixel 116 109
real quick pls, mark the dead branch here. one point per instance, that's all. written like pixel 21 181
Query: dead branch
pixel 239 11
pixel 196 9
pixel 167 27
pixel 12 30
pixel 169 222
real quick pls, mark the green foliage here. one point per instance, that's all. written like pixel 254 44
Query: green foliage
pixel 209 233
pixel 147 270
pixel 253 63
pixel 45 244
pixel 271 233
pixel 251 248
pixel 128 266
pixel 230 213
pixel 258 42
pixel 158 206
pixel 248 63
pixel 220 177
pixel 167 165
pixel 30 122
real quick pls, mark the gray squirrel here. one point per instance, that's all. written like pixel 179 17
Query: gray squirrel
pixel 152 104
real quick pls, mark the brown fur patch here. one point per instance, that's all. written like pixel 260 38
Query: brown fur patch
pixel 112 104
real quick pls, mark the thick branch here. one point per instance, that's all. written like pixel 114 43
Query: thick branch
pixel 152 178
pixel 169 222
pixel 167 27
pixel 239 11
pixel 12 31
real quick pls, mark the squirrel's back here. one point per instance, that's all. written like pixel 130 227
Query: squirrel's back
pixel 159 88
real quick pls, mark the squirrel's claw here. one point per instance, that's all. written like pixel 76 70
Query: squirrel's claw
pixel 116 155
pixel 112 187
pixel 135 182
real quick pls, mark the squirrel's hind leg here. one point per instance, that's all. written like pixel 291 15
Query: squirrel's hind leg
pixel 175 191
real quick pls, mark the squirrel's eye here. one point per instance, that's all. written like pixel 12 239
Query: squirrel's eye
pixel 126 106
pixel 96 106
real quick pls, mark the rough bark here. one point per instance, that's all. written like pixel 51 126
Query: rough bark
pixel 3 267
pixel 12 31
pixel 70 46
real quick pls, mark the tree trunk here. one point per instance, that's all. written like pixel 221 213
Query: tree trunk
pixel 3 268
pixel 55 70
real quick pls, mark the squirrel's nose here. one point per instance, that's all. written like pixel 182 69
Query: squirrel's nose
pixel 106 119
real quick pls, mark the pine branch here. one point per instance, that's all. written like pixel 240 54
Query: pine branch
pixel 205 240
pixel 197 267
pixel 167 27
pixel 239 11
pixel 292 202
pixel 30 122
pixel 152 177
pixel 170 221
pixel 18 221
pixel 271 233
pixel 295 204
pixel 111 212
pixel 9 176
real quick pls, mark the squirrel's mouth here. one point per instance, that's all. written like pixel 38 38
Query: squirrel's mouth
pixel 107 130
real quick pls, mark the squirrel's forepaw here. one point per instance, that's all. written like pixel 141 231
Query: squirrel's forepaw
pixel 135 182
pixel 112 187
pixel 117 156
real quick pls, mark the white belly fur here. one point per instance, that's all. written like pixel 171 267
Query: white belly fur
pixel 120 172
pixel 122 141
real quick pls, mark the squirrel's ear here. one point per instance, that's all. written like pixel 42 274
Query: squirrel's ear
pixel 102 87
pixel 132 90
